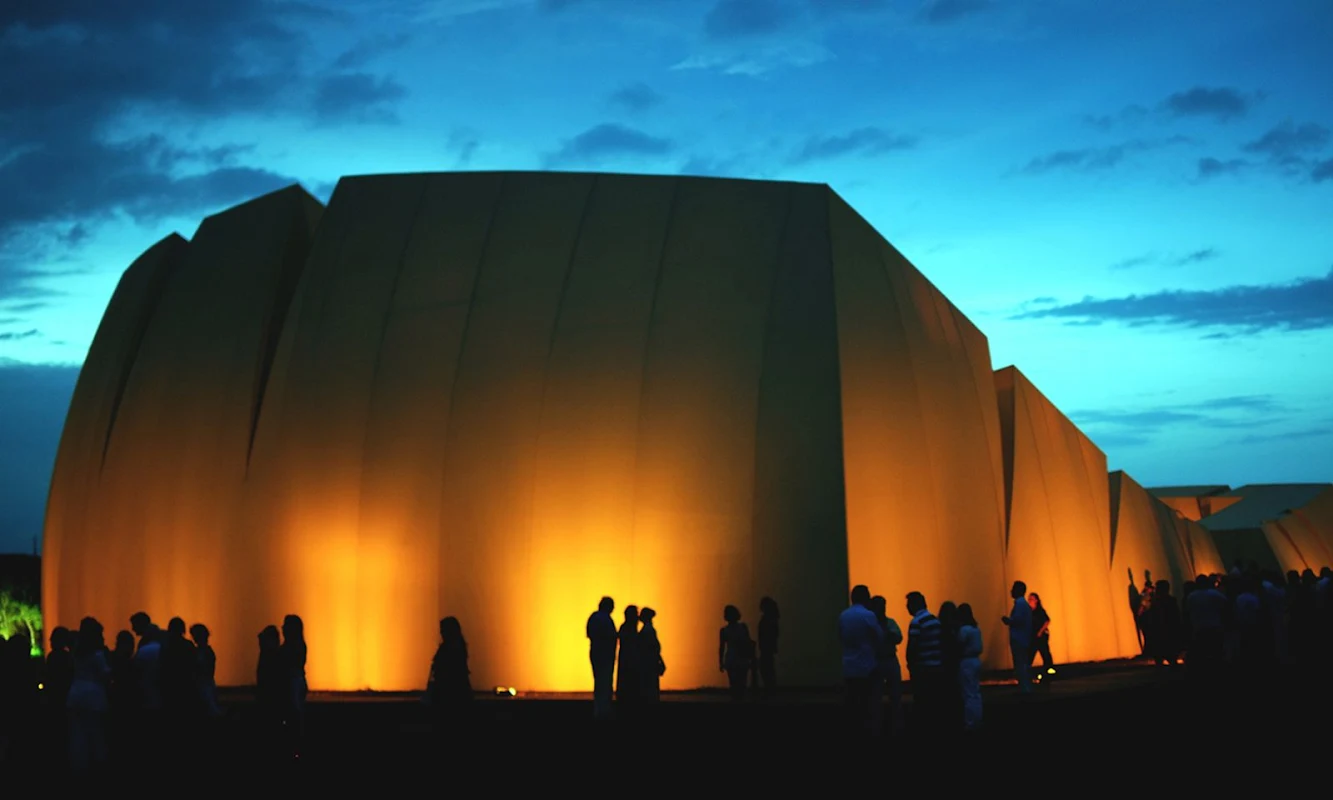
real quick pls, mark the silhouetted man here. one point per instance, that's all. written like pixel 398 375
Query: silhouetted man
pixel 860 634
pixel 1020 636
pixel 602 654
pixel 925 662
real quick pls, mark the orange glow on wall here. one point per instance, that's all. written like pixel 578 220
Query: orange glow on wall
pixel 500 396
pixel 1059 540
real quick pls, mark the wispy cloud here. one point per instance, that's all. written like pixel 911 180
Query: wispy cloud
pixel 607 141
pixel 1304 304
pixel 862 141
pixel 1152 259
pixel 1088 159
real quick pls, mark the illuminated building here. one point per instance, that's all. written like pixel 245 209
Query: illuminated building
pixel 500 396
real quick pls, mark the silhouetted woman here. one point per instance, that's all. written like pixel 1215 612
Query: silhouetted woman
pixel 87 702
pixel 766 666
pixel 651 665
pixel 270 688
pixel 205 671
pixel 450 684
pixel 735 651
pixel 1041 640
pixel 293 664
pixel 969 666
pixel 951 696
pixel 629 684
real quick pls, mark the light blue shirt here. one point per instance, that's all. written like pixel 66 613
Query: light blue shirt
pixel 1020 623
pixel 859 631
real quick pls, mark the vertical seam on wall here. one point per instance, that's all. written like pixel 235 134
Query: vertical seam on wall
pixel 778 263
pixel 458 359
pixel 832 265
pixel 644 363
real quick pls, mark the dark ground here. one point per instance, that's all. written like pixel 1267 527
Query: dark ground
pixel 1092 718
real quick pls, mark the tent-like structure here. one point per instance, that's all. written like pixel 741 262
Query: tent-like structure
pixel 1260 528
pixel 500 396
pixel 1195 502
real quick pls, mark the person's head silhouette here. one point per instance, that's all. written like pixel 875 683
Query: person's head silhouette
pixel 1020 590
pixel 731 614
pixel 861 595
pixel 607 605
pixel 916 603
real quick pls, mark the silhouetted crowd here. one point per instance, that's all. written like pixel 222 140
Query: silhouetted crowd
pixel 152 694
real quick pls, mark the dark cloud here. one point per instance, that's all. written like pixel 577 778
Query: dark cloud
pixel 731 19
pixel 1302 434
pixel 608 141
pixel 863 141
pixel 1304 304
pixel 1287 140
pixel 1087 159
pixel 14 336
pixel 1105 122
pixel 463 144
pixel 1213 167
pixel 1129 427
pixel 944 12
pixel 1150 259
pixel 33 403
pixel 356 97
pixel 71 73
pixel 1196 257
pixel 370 49
pixel 1223 104
pixel 1322 171
pixel 636 97
pixel 849 6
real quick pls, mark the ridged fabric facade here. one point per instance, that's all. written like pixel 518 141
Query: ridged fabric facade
pixel 500 396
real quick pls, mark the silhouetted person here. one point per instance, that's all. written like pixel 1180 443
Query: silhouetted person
pixel 450 684
pixel 652 667
pixel 969 666
pixel 271 687
pixel 1020 636
pixel 1041 635
pixel 951 696
pixel 58 675
pixel 87 702
pixel 735 651
pixel 1135 602
pixel 59 672
pixel 147 670
pixel 629 683
pixel 602 654
pixel 860 635
pixel 293 664
pixel 889 673
pixel 1162 625
pixel 177 673
pixel 122 690
pixel 766 666
pixel 925 662
pixel 205 671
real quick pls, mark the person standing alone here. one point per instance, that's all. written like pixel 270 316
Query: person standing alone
pixel 602 654
pixel 1020 636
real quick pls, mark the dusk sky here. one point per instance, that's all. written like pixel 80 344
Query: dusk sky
pixel 1132 199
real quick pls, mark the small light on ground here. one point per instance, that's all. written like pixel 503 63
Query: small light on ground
pixel 506 691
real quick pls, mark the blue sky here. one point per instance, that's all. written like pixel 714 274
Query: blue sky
pixel 1133 199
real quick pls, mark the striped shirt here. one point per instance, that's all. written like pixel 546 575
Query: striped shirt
pixel 923 641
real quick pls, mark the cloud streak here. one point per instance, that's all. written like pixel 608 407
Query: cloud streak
pixel 1304 304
